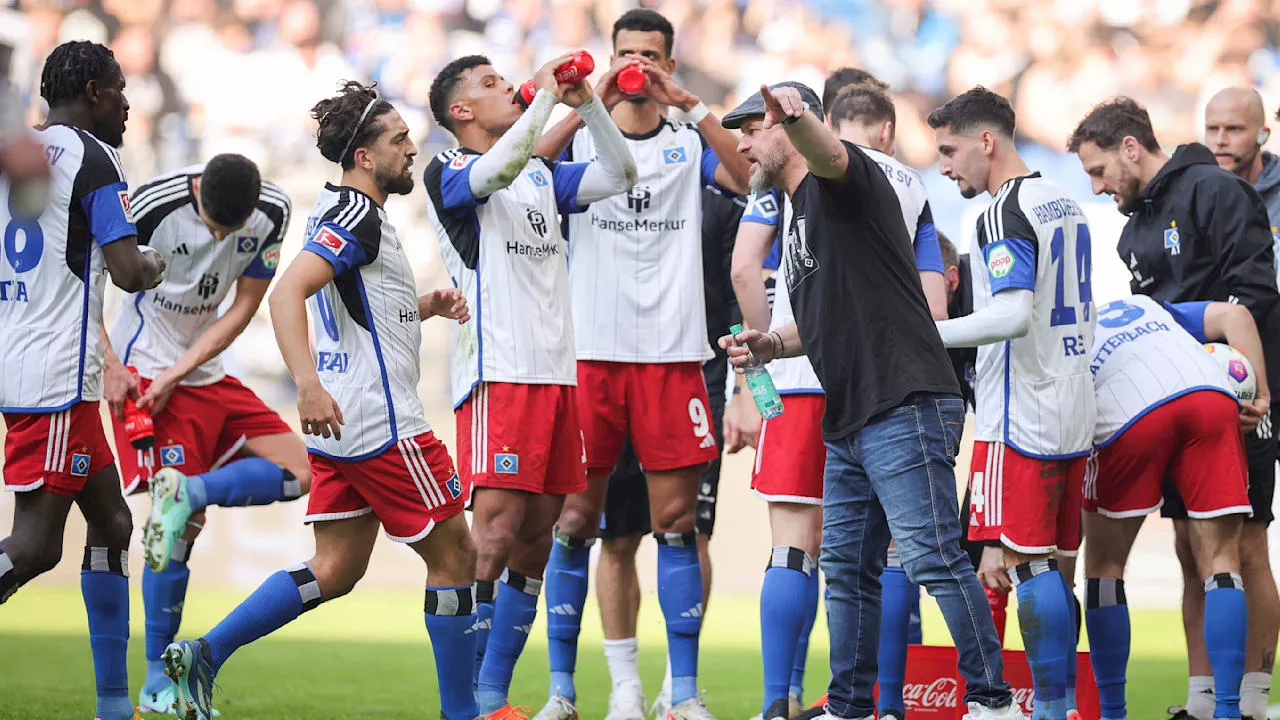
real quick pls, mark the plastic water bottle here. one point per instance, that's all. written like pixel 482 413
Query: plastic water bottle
pixel 579 66
pixel 760 383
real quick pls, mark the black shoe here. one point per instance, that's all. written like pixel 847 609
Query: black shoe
pixel 811 714
pixel 777 711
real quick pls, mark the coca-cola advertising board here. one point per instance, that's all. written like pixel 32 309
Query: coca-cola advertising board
pixel 934 690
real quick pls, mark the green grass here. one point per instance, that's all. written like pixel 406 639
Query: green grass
pixel 367 656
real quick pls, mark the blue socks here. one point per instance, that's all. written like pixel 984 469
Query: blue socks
pixel 680 595
pixel 482 626
pixel 104 583
pixel 251 481
pixel 1225 626
pixel 1107 617
pixel 1072 660
pixel 783 605
pixel 278 601
pixel 514 611
pixel 566 581
pixel 802 643
pixel 450 613
pixel 1047 632
pixel 895 620
pixel 163 595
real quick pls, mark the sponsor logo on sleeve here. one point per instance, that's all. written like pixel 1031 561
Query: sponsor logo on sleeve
pixel 1000 262
pixel 271 256
pixel 126 205
pixel 330 240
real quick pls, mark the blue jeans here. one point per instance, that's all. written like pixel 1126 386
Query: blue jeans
pixel 896 476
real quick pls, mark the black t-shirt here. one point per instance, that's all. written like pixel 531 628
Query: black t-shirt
pixel 856 294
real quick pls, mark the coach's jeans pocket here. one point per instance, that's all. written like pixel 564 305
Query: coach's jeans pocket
pixel 951 417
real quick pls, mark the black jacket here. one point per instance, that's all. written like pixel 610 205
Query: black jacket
pixel 1202 233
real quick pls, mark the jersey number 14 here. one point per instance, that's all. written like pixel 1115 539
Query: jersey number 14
pixel 1062 313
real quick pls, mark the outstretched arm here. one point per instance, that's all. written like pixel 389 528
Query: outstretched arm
pixel 1006 318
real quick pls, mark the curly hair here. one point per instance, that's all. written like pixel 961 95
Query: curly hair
pixel 70 67
pixel 344 122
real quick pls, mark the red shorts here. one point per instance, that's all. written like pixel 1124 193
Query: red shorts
pixel 790 455
pixel 1032 506
pixel 662 406
pixel 409 487
pixel 55 451
pixel 1194 441
pixel 521 437
pixel 199 429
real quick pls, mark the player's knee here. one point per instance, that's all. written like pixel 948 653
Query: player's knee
pixel 621 550
pixel 114 529
pixel 672 516
pixel 578 523
pixel 336 576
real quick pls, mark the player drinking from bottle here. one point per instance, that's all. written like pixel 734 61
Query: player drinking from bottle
pixel 217 443
pixel 496 211
pixel 636 280
pixel 56 451
pixel 373 456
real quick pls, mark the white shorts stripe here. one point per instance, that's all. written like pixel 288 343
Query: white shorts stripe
pixel 764 426
pixel 50 443
pixel 476 451
pixel 414 474
pixel 64 431
pixel 484 428
pixel 429 478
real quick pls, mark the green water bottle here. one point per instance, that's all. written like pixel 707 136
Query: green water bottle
pixel 760 383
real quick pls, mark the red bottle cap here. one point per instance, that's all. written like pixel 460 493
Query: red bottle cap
pixel 631 79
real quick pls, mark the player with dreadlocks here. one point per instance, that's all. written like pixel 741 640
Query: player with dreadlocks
pixel 51 291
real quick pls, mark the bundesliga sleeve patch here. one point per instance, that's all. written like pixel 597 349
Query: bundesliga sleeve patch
pixel 126 205
pixel 1000 262
pixel 462 160
pixel 330 240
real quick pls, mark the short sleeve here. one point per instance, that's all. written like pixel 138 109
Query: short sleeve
pixel 928 249
pixel 276 206
pixel 566 177
pixel 1011 264
pixel 708 164
pixel 103 193
pixel 1190 315
pixel 762 209
pixel 448 178
pixel 339 247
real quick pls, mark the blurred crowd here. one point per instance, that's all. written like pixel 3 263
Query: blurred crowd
pixel 212 75
pixel 209 76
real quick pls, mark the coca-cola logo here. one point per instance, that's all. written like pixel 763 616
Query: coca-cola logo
pixel 1024 697
pixel 941 693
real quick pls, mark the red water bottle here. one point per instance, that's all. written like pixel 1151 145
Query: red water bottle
pixel 578 67
pixel 138 425
pixel 631 79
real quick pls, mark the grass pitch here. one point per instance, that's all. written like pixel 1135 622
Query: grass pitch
pixel 367 656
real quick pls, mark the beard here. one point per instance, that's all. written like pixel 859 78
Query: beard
pixel 394 183
pixel 767 171
pixel 1128 192
pixel 968 192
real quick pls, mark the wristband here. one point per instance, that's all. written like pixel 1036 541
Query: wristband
pixel 791 119
pixel 782 348
pixel 698 112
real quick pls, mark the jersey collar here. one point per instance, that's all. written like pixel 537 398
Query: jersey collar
pixel 662 122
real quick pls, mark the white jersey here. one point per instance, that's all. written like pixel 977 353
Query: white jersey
pixel 1035 393
pixel 158 326
pixel 367 330
pixel 1144 355
pixel 635 260
pixel 505 252
pixel 916 214
pixel 53 275
pixel 791 376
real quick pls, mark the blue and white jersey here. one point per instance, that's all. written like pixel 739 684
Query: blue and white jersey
pixel 1144 355
pixel 635 259
pixel 53 275
pixel 367 330
pixel 156 327
pixel 507 255
pixel 916 215
pixel 1035 393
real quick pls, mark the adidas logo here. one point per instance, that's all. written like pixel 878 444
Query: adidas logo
pixel 526 629
pixel 563 609
pixel 707 441
pixel 181 250
pixel 693 612
pixel 479 625
pixel 175 609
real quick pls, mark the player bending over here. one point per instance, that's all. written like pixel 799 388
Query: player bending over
pixel 217 443
pixel 385 466
pixel 1033 326
pixel 496 211
pixel 1166 411
pixel 636 278
pixel 51 290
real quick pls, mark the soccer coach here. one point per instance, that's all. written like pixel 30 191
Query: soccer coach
pixel 894 414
